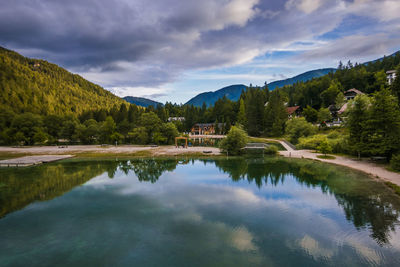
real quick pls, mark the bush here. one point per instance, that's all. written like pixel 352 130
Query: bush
pixel 311 142
pixel 395 162
pixel 299 127
pixel 235 140
pixel 339 144
pixel 271 150
pixel 324 147
pixel 333 135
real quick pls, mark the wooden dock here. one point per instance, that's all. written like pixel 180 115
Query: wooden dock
pixel 32 160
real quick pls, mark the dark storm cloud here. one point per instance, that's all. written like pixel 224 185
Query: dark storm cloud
pixel 148 43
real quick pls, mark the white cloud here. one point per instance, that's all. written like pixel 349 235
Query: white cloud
pixel 384 10
pixel 147 45
pixel 355 47
pixel 306 6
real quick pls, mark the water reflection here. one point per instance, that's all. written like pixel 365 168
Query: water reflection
pixel 367 204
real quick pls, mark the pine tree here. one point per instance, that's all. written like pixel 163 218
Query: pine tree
pixel 241 117
pixel 357 117
pixel 382 132
pixel 275 115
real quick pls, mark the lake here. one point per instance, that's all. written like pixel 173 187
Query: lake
pixel 268 211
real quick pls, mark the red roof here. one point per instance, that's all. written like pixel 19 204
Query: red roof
pixel 291 110
pixel 354 90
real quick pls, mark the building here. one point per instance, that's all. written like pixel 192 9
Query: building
pixel 206 128
pixel 390 76
pixel 294 112
pixel 352 93
pixel 342 109
pixel 176 119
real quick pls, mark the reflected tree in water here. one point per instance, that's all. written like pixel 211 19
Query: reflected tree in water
pixel 363 202
pixel 22 186
pixel 151 170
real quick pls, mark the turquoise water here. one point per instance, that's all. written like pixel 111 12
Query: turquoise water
pixel 183 212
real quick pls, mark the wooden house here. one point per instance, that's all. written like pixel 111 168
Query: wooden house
pixel 294 112
pixel 206 128
pixel 352 93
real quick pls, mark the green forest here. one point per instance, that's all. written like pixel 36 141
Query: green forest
pixel 37 86
pixel 42 103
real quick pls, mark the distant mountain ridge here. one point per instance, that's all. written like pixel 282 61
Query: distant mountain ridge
pixel 306 76
pixel 233 92
pixel 141 101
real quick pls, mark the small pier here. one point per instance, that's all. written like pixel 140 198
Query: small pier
pixel 32 160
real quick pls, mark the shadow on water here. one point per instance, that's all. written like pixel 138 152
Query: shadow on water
pixel 366 203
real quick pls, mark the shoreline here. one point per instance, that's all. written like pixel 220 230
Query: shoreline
pixel 372 169
pixel 96 151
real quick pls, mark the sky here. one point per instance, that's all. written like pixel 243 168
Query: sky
pixel 171 50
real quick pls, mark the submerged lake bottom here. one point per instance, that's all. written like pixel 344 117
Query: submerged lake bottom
pixel 268 211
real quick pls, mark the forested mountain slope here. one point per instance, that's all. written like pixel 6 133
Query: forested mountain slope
pixel 231 92
pixel 306 76
pixel 141 101
pixel 37 86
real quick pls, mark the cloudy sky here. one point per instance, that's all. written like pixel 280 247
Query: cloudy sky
pixel 171 50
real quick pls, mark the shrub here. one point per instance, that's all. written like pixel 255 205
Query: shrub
pixel 235 140
pixel 271 150
pixel 299 127
pixel 324 147
pixel 311 142
pixel 395 162
pixel 333 135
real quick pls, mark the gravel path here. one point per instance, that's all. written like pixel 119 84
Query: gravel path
pixel 367 167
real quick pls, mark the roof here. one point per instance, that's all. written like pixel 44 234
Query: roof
pixel 391 71
pixel 342 109
pixel 291 110
pixel 208 124
pixel 354 90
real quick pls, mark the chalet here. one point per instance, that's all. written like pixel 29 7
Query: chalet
pixel 390 76
pixel 176 119
pixel 206 128
pixel 352 93
pixel 294 111
pixel 342 109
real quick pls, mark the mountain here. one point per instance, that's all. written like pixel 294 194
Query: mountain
pixel 37 86
pixel 232 92
pixel 140 101
pixel 306 76
pixel 381 59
